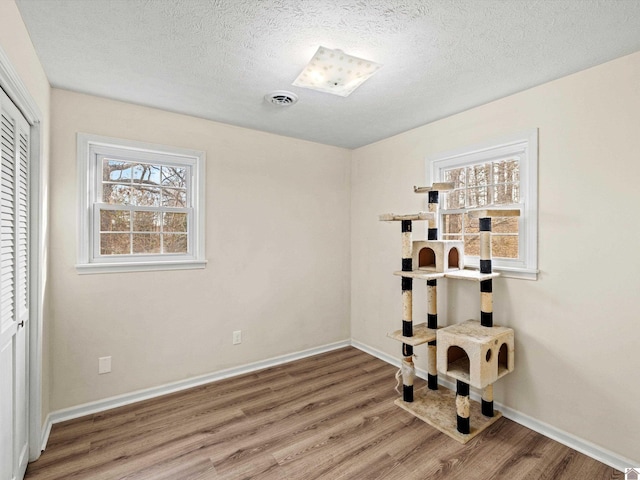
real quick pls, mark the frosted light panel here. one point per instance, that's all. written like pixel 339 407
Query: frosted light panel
pixel 333 71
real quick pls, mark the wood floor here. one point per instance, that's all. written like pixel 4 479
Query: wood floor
pixel 330 416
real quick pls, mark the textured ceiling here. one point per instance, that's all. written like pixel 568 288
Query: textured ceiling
pixel 216 59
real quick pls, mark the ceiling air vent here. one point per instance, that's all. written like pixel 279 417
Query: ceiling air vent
pixel 281 98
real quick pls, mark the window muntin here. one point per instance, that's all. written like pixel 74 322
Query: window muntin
pixel 144 206
pixel 496 174
pixel 487 184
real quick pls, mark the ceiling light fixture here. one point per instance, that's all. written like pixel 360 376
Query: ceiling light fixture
pixel 333 71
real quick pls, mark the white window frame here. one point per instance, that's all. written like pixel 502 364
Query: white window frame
pixel 91 148
pixel 523 145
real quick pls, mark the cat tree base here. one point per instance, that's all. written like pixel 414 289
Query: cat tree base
pixel 438 409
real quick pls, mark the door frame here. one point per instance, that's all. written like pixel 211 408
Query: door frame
pixel 15 89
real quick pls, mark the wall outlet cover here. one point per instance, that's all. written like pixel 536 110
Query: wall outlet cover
pixel 104 365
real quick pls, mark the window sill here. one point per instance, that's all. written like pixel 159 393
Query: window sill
pixel 512 272
pixel 521 273
pixel 126 267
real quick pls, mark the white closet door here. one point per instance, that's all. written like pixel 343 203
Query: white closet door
pixel 14 295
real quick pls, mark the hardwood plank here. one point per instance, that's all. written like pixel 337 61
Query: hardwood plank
pixel 323 460
pixel 191 466
pixel 487 454
pixel 301 423
pixel 376 467
pixel 345 425
pixel 330 416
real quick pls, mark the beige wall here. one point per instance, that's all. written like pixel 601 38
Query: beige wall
pixel 277 243
pixel 278 230
pixel 577 328
pixel 15 42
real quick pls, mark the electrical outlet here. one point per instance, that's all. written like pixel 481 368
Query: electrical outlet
pixel 104 365
pixel 237 337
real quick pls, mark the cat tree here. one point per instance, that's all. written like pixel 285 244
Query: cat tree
pixel 474 353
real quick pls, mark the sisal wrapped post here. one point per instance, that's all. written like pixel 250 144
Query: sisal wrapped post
pixel 463 407
pixel 432 295
pixel 408 370
pixel 487 401
pixel 407 282
pixel 408 376
pixel 407 299
pixel 485 244
pixel 432 322
pixel 432 206
pixel 486 286
pixel 407 246
pixel 432 370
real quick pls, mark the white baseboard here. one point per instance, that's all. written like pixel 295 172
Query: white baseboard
pixel 153 392
pixel 395 361
pixel 583 446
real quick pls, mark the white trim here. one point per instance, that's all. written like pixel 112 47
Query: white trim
pixel 525 145
pixel 15 89
pixel 139 266
pixel 594 451
pixel 88 258
pixel 522 273
pixel 153 392
pixel 395 361
pixel 583 446
pixel 38 251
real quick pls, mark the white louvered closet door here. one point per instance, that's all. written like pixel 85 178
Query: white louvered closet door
pixel 14 296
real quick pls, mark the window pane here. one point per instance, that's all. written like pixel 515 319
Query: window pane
pixel 506 194
pixel 173 197
pixel 504 246
pixel 114 244
pixel 174 177
pixel 146 243
pixel 454 199
pixel 515 193
pixel 504 225
pixel 452 223
pixel 116 194
pixel 114 221
pixel 116 171
pixel 146 174
pixel 472 245
pixel 478 175
pixel 175 243
pixel 471 224
pixel 145 196
pixel 146 221
pixel 175 222
pixel 506 176
pixel 506 171
pixel 457 176
pixel 478 197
